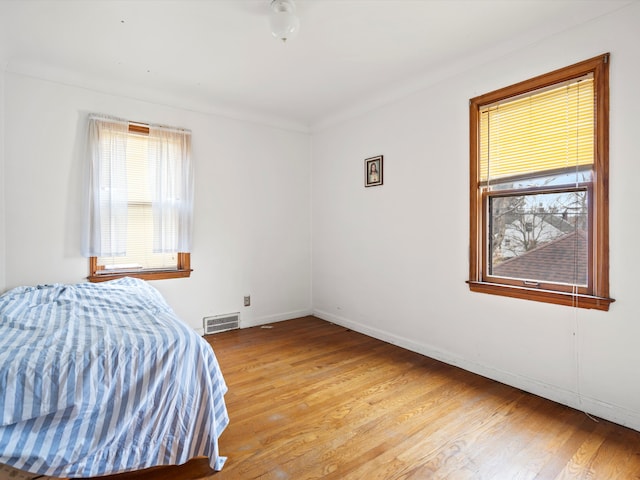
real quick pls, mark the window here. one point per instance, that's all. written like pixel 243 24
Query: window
pixel 539 188
pixel 139 194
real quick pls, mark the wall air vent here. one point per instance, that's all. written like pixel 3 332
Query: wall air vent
pixel 221 323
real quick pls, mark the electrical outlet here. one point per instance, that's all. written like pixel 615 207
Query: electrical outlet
pixel 247 301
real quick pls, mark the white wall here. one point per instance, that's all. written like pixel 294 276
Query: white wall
pixel 392 261
pixel 252 202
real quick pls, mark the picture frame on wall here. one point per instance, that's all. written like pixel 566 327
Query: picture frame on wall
pixel 373 171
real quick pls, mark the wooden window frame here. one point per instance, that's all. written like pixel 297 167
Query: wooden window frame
pixel 183 270
pixel 596 294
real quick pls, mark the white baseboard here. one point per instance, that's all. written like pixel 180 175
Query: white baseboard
pixel 280 317
pixel 254 322
pixel 593 406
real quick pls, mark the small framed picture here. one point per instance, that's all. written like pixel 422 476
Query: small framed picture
pixel 373 171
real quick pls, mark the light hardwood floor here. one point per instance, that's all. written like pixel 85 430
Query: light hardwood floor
pixel 308 399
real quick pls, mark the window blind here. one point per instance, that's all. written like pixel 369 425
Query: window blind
pixel 542 131
pixel 139 214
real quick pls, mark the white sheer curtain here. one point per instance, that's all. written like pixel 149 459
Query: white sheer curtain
pixel 171 183
pixel 105 220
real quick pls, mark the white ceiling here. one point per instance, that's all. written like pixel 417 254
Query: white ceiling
pixel 218 55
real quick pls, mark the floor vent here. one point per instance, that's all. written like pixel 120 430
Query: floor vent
pixel 221 323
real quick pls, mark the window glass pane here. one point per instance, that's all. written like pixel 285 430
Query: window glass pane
pixel 140 254
pixel 563 178
pixel 140 245
pixel 539 237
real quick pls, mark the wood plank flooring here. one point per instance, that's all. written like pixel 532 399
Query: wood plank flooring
pixel 308 399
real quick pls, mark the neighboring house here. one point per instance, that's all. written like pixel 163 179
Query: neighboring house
pixel 562 260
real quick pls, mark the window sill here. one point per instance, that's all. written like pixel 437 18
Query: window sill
pixel 546 296
pixel 148 275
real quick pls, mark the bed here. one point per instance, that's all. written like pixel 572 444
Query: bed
pixel 102 378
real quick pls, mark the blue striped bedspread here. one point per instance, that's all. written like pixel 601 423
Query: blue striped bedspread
pixel 103 378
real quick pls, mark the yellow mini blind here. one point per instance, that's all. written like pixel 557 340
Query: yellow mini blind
pixel 545 130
